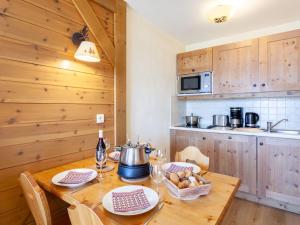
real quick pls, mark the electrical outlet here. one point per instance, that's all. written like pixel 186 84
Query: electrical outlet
pixel 100 118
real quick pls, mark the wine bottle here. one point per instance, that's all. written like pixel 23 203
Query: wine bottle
pixel 100 151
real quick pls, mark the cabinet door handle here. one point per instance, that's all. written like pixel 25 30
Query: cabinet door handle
pixel 254 85
pixel 204 138
pixel 261 143
pixel 263 84
pixel 193 70
pixel 229 137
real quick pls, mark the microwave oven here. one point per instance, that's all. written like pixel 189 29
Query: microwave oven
pixel 197 83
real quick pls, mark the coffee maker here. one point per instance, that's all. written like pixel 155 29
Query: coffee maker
pixel 236 117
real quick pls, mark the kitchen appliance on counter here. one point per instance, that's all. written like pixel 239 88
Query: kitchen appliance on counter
pixel 251 119
pixel 134 161
pixel 220 120
pixel 236 117
pixel 192 120
pixel 198 83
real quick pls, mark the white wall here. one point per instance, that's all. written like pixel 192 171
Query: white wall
pixel 151 80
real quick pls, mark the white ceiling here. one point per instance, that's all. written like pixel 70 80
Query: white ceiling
pixel 187 22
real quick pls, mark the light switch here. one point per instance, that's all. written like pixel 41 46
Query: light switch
pixel 100 118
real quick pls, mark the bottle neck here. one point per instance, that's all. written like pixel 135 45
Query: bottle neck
pixel 100 134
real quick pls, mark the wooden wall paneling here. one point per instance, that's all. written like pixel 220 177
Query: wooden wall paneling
pixel 90 18
pixel 108 4
pixel 36 132
pixel 12 113
pixel 29 73
pixel 45 18
pixel 32 53
pixel 17 29
pixel 39 93
pixel 48 100
pixel 120 72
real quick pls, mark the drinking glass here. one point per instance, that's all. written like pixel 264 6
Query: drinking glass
pixel 101 157
pixel 157 176
pixel 161 156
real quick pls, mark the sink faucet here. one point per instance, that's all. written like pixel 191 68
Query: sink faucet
pixel 270 125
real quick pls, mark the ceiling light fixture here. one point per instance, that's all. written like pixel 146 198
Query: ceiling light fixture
pixel 220 13
pixel 87 50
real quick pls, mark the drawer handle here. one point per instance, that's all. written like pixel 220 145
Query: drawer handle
pixel 229 137
pixel 204 138
pixel 193 70
pixel 261 143
pixel 254 85
pixel 263 85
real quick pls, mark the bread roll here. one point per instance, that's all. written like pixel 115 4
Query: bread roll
pixel 174 178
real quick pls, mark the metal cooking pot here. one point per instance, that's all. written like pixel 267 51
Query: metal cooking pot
pixel 192 120
pixel 134 155
pixel 220 120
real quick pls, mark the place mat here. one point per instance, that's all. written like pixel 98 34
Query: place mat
pixel 130 201
pixel 74 177
pixel 175 168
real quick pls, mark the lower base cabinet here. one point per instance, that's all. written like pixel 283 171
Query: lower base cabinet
pixel 269 168
pixel 233 155
pixel 279 169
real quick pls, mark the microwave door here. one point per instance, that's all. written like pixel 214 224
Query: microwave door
pixel 191 84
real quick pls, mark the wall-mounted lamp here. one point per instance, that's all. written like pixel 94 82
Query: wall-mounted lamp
pixel 87 50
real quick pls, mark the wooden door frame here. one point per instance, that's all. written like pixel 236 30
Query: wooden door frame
pixel 115 52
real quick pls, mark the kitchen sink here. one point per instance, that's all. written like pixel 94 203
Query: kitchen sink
pixel 293 132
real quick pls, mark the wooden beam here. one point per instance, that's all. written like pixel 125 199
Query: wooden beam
pixel 108 4
pixel 96 28
pixel 120 72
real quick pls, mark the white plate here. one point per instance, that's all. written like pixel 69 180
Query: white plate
pixel 196 169
pixel 150 194
pixel 112 156
pixel 59 176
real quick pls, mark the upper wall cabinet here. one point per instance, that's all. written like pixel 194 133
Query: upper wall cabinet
pixel 194 61
pixel 235 67
pixel 279 57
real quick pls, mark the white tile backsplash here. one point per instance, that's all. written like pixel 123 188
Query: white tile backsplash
pixel 269 109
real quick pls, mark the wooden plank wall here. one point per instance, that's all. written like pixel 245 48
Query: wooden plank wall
pixel 48 101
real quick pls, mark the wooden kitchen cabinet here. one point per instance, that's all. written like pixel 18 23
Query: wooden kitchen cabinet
pixel 181 139
pixel 233 155
pixel 235 67
pixel 194 61
pixel 279 66
pixel 279 169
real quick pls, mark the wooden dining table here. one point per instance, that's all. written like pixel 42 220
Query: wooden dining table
pixel 209 209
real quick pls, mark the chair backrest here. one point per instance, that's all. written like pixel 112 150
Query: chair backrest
pixel 36 199
pixel 81 214
pixel 192 153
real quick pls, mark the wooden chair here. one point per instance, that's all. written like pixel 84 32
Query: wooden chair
pixel 193 154
pixel 36 199
pixel 80 214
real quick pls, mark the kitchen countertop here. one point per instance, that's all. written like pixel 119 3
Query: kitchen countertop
pixel 247 131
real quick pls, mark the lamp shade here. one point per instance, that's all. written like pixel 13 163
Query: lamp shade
pixel 87 52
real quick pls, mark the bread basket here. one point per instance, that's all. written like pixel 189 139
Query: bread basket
pixel 189 193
